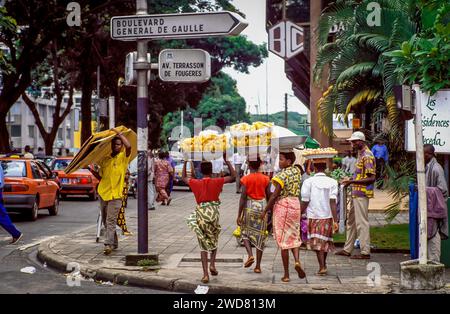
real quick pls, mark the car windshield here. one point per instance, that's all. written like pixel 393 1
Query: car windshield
pixel 60 164
pixel 14 169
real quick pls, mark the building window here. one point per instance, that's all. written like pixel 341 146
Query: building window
pixel 60 134
pixel 16 131
pixel 15 109
pixel 68 131
pixel 31 131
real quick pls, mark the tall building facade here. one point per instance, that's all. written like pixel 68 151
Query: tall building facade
pixel 24 131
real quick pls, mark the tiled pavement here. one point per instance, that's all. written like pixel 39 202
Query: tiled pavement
pixel 178 252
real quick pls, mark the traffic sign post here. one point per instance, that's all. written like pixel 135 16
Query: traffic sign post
pixel 286 39
pixel 190 65
pixel 184 65
pixel 176 26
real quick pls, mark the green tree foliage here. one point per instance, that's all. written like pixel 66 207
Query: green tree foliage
pixel 89 46
pixel 425 58
pixel 360 77
pixel 38 22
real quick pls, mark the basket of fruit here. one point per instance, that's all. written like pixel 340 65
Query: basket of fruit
pixel 316 153
pixel 208 145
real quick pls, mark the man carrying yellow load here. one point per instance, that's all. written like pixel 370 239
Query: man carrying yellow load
pixel 112 176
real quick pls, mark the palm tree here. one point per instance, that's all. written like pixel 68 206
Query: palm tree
pixel 360 78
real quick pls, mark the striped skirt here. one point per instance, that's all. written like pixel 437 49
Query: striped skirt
pixel 320 235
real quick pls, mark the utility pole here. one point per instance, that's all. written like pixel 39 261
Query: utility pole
pixel 421 184
pixel 286 124
pixel 142 66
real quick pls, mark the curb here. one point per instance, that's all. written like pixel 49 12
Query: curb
pixel 125 277
pixel 45 254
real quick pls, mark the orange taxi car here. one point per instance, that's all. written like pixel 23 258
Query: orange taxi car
pixel 80 182
pixel 27 188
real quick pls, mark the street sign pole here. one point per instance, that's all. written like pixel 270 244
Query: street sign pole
pixel 142 66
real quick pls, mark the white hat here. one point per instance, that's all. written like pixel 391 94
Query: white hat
pixel 357 136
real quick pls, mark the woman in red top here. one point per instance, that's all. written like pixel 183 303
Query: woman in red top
pixel 254 194
pixel 204 221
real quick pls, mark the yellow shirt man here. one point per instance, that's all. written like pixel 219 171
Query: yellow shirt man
pixel 112 171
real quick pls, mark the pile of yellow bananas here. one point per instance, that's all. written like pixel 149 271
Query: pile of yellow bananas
pixel 208 142
pixel 257 134
pixel 319 151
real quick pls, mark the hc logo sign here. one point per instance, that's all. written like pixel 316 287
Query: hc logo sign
pixel 286 39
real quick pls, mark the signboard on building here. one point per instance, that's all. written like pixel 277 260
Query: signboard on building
pixel 435 121
pixel 184 65
pixel 286 39
pixel 177 26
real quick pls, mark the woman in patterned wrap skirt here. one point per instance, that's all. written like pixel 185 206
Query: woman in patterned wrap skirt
pixel 286 212
pixel 254 194
pixel 204 221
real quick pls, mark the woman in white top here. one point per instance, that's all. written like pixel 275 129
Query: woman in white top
pixel 318 196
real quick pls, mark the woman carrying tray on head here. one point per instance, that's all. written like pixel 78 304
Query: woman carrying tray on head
pixel 286 212
pixel 204 221
pixel 254 193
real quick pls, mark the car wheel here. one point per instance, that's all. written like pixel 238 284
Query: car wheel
pixel 53 211
pixel 33 214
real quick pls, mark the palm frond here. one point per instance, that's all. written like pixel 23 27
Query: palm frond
pixel 326 108
pixel 359 69
pixel 335 14
pixel 364 96
pixel 325 56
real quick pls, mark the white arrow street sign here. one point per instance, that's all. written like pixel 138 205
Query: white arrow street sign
pixel 176 26
pixel 286 39
pixel 184 65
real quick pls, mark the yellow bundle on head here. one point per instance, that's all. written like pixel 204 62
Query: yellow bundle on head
pixel 253 140
pixel 240 127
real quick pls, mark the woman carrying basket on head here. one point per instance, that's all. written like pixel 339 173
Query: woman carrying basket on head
pixel 204 221
pixel 254 193
pixel 286 212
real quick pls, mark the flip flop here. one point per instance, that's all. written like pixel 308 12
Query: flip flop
pixel 213 271
pixel 322 272
pixel 205 279
pixel 361 256
pixel 257 270
pixel 249 262
pixel 343 253
pixel 285 279
pixel 300 271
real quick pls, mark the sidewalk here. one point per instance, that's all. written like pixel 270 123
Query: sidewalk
pixel 180 267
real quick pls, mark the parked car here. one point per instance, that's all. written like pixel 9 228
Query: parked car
pixel 28 188
pixel 80 182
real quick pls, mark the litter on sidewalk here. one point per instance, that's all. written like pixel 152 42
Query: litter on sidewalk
pixel 28 270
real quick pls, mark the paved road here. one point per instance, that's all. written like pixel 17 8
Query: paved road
pixel 75 214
